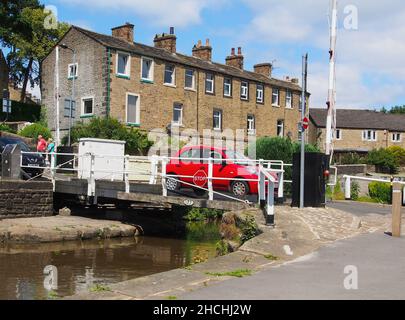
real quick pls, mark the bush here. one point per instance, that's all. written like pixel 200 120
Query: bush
pixel 308 147
pixel 34 130
pixel 110 128
pixel 384 160
pixel 275 148
pixel 399 154
pixel 352 158
pixel 380 191
pixel 354 190
pixel 6 128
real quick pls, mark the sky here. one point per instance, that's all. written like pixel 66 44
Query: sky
pixel 370 70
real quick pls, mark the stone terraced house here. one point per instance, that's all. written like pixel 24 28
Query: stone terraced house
pixel 358 130
pixel 157 87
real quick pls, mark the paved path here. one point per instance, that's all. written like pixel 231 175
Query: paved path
pixel 380 261
pixel 361 208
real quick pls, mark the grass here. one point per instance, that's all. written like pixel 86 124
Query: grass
pixel 171 298
pixel 239 273
pixel 367 199
pixel 99 288
pixel 52 295
pixel 271 257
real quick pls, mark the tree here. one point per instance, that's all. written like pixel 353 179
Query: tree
pixel 29 40
pixel 398 109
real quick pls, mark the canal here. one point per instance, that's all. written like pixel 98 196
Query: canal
pixel 83 266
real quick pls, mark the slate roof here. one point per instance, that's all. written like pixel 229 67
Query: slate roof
pixel 142 49
pixel 360 119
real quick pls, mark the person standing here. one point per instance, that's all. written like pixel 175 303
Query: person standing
pixel 41 144
pixel 50 149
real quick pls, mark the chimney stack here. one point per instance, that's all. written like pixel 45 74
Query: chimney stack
pixel 166 41
pixel 124 32
pixel 264 69
pixel 235 60
pixel 203 52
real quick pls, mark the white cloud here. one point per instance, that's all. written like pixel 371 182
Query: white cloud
pixel 370 69
pixel 179 13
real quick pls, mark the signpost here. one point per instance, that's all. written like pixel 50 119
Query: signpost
pixel 304 125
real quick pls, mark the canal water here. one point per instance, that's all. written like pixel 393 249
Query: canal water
pixel 83 265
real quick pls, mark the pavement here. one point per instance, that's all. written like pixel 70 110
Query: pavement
pixel 361 209
pixel 377 259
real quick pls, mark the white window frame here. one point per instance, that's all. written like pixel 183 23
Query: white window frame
pixel 281 134
pixel 278 97
pixel 82 106
pixel 77 70
pixel 151 71
pixel 228 85
pixel 244 90
pixel 289 99
pixel 210 80
pixel 396 134
pixel 127 67
pixel 193 80
pixel 180 122
pixel 173 83
pixel 373 135
pixel 251 124
pixel 138 108
pixel 260 93
pixel 220 119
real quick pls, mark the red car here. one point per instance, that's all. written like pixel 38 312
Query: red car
pixel 191 167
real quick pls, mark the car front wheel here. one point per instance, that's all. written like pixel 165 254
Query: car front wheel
pixel 239 188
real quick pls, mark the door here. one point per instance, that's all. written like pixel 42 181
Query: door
pixel 189 164
pixel 220 168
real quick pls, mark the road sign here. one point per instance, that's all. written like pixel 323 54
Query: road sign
pixel 200 178
pixel 305 123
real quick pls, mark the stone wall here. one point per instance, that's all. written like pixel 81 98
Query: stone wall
pixel 20 199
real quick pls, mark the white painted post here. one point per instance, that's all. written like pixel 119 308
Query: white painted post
pixel 126 173
pixel 403 195
pixel 53 169
pixel 153 169
pixel 164 186
pixel 347 188
pixel 262 185
pixel 91 186
pixel 280 191
pixel 210 175
pixel 259 180
pixel 270 203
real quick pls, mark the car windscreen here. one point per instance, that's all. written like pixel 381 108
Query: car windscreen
pixel 241 158
pixel 22 144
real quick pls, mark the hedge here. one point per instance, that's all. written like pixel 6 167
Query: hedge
pixel 22 112
pixel 380 191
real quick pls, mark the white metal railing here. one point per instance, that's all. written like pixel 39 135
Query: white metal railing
pixel 157 169
pixel 348 179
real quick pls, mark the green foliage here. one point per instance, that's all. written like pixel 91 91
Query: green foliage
pixel 354 190
pixel 110 128
pixel 352 158
pixel 271 257
pixel 221 248
pixel 202 232
pixel 6 128
pixel 380 191
pixel 384 160
pixel 235 273
pixel 308 147
pixel 35 129
pixel 249 229
pixel 99 288
pixel 201 214
pixel 398 110
pixel 275 148
pixel 22 112
pixel 399 154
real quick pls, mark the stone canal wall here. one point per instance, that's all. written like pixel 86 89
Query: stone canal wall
pixel 20 199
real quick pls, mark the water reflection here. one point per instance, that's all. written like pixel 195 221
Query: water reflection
pixel 85 263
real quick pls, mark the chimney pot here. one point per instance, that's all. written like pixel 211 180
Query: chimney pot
pixel 232 51
pixel 235 60
pixel 199 44
pixel 207 42
pixel 239 51
pixel 171 30
pixel 203 52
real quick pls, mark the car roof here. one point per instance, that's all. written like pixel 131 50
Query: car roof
pixel 201 146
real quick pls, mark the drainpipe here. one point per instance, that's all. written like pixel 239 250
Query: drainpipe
pixel 108 82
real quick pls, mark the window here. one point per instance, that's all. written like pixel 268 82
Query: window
pixel 132 114
pixel 260 93
pixel 72 70
pixel 123 64
pixel 217 120
pixel 67 108
pixel 209 83
pixel 338 134
pixel 288 99
pixel 280 128
pixel 177 114
pixel 300 103
pixel 396 137
pixel 208 153
pixel 251 124
pixel 147 69
pixel 192 155
pixel 189 79
pixel 244 90
pixel 87 106
pixel 170 75
pixel 227 87
pixel 369 135
pixel 274 98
